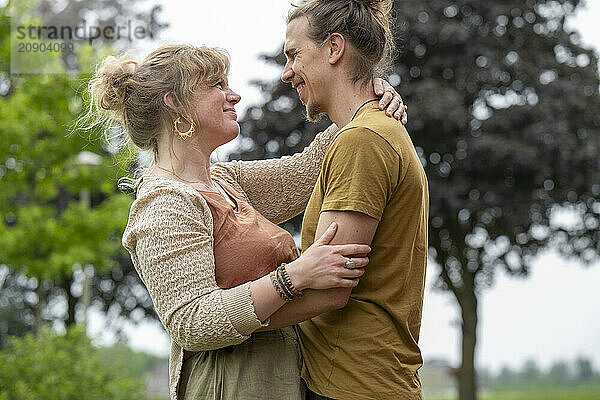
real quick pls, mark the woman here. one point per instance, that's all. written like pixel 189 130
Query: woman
pixel 203 238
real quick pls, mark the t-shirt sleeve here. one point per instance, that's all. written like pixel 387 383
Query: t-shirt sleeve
pixel 360 173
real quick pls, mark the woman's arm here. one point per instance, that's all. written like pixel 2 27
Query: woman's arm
pixel 279 188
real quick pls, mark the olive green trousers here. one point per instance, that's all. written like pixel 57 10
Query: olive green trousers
pixel 266 366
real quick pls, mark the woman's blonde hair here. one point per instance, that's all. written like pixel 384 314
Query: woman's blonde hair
pixel 365 23
pixel 129 94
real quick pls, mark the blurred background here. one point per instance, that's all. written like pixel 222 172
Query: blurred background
pixel 504 111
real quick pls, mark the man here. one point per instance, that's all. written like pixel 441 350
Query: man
pixel 373 185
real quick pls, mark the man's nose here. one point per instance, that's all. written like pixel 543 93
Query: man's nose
pixel 287 74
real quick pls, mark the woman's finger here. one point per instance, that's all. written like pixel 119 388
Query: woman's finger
pixel 347 282
pixel 327 235
pixel 394 105
pixel 352 273
pixel 352 249
pixel 400 112
pixel 386 99
pixel 360 262
pixel 378 86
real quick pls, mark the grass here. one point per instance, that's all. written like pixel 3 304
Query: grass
pixel 574 392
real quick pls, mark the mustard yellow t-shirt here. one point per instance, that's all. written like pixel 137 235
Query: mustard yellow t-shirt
pixel 369 349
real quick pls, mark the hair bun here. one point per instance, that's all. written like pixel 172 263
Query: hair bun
pixel 113 77
pixel 382 6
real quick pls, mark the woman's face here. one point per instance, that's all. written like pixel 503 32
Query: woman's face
pixel 214 108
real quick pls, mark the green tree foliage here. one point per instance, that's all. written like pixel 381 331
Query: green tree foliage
pixel 560 373
pixel 16 303
pixel 584 371
pixel 60 210
pixel 505 114
pixel 56 367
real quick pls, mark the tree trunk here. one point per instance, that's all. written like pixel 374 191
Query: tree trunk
pixel 467 376
pixel 71 301
pixel 38 319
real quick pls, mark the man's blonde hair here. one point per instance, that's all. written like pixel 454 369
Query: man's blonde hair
pixel 365 23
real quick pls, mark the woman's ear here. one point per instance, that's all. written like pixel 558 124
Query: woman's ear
pixel 170 101
pixel 337 46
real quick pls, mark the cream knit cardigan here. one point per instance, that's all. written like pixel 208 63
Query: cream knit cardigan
pixel 170 238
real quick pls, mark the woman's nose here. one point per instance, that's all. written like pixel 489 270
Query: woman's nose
pixel 233 97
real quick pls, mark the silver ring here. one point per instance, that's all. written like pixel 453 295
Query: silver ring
pixel 350 264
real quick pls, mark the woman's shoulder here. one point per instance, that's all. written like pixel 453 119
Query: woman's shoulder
pixel 164 205
pixel 152 185
pixel 157 195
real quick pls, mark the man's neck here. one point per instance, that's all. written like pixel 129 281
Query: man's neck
pixel 346 99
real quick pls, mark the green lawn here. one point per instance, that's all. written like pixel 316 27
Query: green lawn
pixel 542 396
pixel 535 396
pixel 577 392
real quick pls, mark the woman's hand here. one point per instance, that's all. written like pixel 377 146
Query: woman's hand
pixel 390 99
pixel 323 266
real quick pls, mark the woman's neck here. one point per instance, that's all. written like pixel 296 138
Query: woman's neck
pixel 183 160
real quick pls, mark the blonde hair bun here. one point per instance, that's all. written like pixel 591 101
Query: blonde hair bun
pixel 383 6
pixel 112 79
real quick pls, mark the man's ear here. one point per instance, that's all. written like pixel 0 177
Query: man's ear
pixel 337 46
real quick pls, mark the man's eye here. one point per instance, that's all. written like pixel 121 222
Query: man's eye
pixel 219 84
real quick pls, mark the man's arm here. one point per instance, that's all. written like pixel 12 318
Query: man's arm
pixel 353 227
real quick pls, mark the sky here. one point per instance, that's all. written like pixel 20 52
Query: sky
pixel 552 315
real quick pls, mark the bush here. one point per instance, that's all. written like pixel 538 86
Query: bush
pixel 63 367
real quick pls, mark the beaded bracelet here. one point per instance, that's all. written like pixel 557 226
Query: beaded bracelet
pixel 283 284
pixel 288 281
pixel 278 287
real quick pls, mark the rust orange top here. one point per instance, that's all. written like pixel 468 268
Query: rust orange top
pixel 246 245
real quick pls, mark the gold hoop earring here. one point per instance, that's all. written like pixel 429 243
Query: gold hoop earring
pixel 183 135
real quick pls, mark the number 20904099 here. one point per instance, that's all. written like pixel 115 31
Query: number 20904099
pixel 45 47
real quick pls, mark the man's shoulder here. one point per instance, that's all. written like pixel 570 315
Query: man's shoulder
pixel 373 121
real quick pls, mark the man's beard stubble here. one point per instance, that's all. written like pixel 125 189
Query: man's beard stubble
pixel 313 112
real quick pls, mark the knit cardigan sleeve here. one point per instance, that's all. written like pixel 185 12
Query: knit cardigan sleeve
pixel 169 236
pixel 279 188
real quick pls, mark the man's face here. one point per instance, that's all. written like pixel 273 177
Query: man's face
pixel 305 67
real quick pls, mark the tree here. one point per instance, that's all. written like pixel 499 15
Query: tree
pixel 584 369
pixel 504 112
pixel 559 373
pixel 113 13
pixel 53 366
pixel 16 307
pixel 61 212
pixel 530 372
